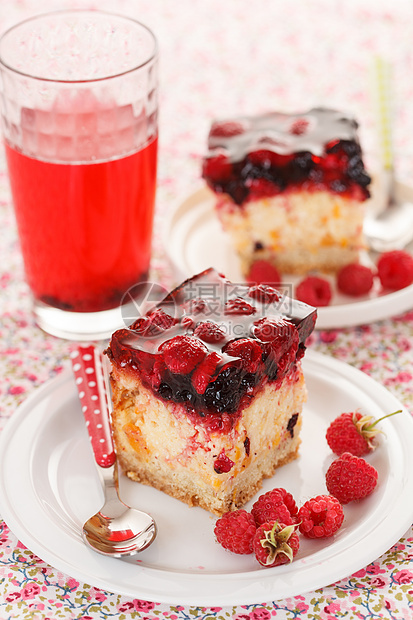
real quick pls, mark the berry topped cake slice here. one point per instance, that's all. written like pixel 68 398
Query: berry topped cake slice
pixel 208 390
pixel 290 189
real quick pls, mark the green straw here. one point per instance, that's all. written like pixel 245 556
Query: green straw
pixel 382 80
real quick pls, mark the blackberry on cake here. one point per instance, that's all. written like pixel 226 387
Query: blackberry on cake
pixel 208 390
pixel 290 189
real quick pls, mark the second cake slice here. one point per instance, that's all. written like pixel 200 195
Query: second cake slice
pixel 290 189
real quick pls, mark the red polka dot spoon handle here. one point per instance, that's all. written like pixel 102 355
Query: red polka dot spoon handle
pixel 116 529
pixel 90 379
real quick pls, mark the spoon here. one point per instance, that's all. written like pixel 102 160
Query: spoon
pixel 391 227
pixel 116 530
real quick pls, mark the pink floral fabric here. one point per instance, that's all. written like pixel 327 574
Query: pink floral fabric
pixel 218 59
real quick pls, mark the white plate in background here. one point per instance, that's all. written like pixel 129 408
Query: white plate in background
pixel 195 241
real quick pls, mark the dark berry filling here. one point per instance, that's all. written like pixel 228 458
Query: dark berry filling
pixel 211 353
pixel 316 151
pixel 291 424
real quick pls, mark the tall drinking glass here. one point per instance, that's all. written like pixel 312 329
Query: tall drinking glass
pixel 79 115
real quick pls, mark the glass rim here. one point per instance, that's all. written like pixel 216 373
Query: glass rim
pixel 41 16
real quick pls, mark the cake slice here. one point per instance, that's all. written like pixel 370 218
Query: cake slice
pixel 208 390
pixel 290 189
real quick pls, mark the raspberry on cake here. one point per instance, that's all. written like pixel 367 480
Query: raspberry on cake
pixel 208 390
pixel 290 189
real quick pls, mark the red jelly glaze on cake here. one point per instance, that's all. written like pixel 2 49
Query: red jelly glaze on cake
pixel 261 156
pixel 211 344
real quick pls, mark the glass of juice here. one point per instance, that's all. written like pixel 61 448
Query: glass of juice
pixel 79 116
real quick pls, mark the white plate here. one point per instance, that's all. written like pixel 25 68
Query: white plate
pixel 49 486
pixel 195 241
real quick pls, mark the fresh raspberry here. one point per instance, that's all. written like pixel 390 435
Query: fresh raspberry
pixel 217 168
pixel 262 272
pixel 204 372
pixel 355 279
pixel 264 293
pixel 183 353
pixel 395 269
pixel 314 291
pixel 239 306
pixel 275 505
pixel 320 516
pixel 209 332
pixel 248 350
pixel 235 531
pixel 275 543
pixel 344 435
pixel 350 478
pixel 352 432
pixel 226 129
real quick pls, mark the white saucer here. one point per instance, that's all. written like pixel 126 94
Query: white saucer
pixel 49 486
pixel 195 241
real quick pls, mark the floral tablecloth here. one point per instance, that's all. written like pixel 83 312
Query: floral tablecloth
pixel 219 58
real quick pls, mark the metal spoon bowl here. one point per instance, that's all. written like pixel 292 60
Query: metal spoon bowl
pixel 391 228
pixel 116 529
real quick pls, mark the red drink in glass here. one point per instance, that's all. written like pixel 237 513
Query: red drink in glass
pixel 84 226
pixel 79 112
